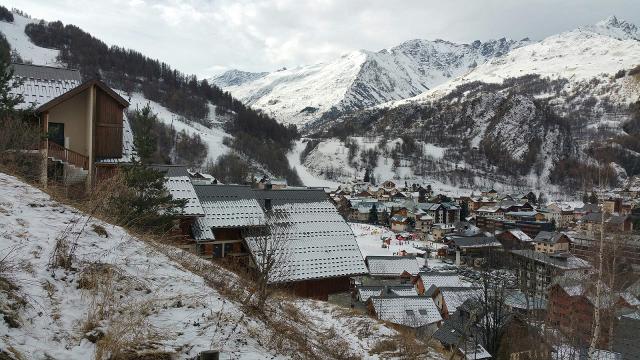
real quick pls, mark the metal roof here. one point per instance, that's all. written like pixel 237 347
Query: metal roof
pixel 442 279
pixel 320 244
pixel 392 265
pixel 455 296
pixel 180 188
pixel 41 84
pixel 410 311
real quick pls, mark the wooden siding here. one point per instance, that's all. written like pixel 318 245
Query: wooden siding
pixel 108 129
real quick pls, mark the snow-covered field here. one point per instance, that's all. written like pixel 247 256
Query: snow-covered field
pixel 142 289
pixel 369 238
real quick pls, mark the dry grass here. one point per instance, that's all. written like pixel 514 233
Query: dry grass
pixel 118 324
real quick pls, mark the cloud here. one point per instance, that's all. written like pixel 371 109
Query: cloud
pixel 206 36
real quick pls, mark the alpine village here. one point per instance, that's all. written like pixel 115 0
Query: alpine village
pixel 434 200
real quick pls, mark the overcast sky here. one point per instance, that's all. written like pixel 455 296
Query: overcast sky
pixel 208 36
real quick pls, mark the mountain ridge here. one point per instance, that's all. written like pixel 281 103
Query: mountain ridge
pixel 360 78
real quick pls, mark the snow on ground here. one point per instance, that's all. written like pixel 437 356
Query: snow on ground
pixel 369 238
pixel 19 41
pixel 57 308
pixel 212 137
pixel 148 288
pixel 307 177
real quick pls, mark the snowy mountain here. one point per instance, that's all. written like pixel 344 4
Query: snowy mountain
pixel 579 55
pixel 359 79
pixel 525 118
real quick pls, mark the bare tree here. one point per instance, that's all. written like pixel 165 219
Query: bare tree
pixel 270 245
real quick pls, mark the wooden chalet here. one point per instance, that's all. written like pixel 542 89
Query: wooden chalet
pixel 321 250
pixel 86 132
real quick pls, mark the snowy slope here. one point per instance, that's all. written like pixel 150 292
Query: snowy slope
pixel 147 292
pixel 14 32
pixel 211 136
pixel 359 79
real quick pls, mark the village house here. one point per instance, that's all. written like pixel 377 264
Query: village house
pixel 592 223
pixel 535 271
pixel 322 250
pixel 514 239
pixel 524 216
pixel 551 242
pixel 492 193
pixel 444 213
pixel 461 336
pixel 87 133
pixel 423 222
pixel 571 309
pixel 399 223
pixel 417 313
pixel 439 231
pixel 474 250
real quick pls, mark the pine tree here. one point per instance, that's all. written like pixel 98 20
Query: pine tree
pixel 464 210
pixel 145 203
pixel 144 138
pixel 593 198
pixel 8 101
pixel 373 215
pixel 367 175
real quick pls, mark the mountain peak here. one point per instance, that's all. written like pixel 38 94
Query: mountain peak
pixel 235 77
pixel 615 28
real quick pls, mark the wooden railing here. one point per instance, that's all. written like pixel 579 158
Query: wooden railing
pixel 63 154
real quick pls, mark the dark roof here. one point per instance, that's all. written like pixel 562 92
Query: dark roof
pixel 223 192
pixel 171 170
pixel 46 72
pixel 549 237
pixel 561 261
pixel 40 84
pixel 288 196
pixel 475 241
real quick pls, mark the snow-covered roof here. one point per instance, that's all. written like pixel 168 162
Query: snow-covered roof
pixel 442 279
pixel 180 188
pixel 561 261
pixel 365 292
pixel 226 206
pixel 392 265
pixel 455 296
pixel 41 84
pixel 474 351
pixel 520 235
pixel 411 311
pixel 320 244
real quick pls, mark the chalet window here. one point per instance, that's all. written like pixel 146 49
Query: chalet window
pixel 56 133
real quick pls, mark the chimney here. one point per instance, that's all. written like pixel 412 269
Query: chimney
pixel 267 204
